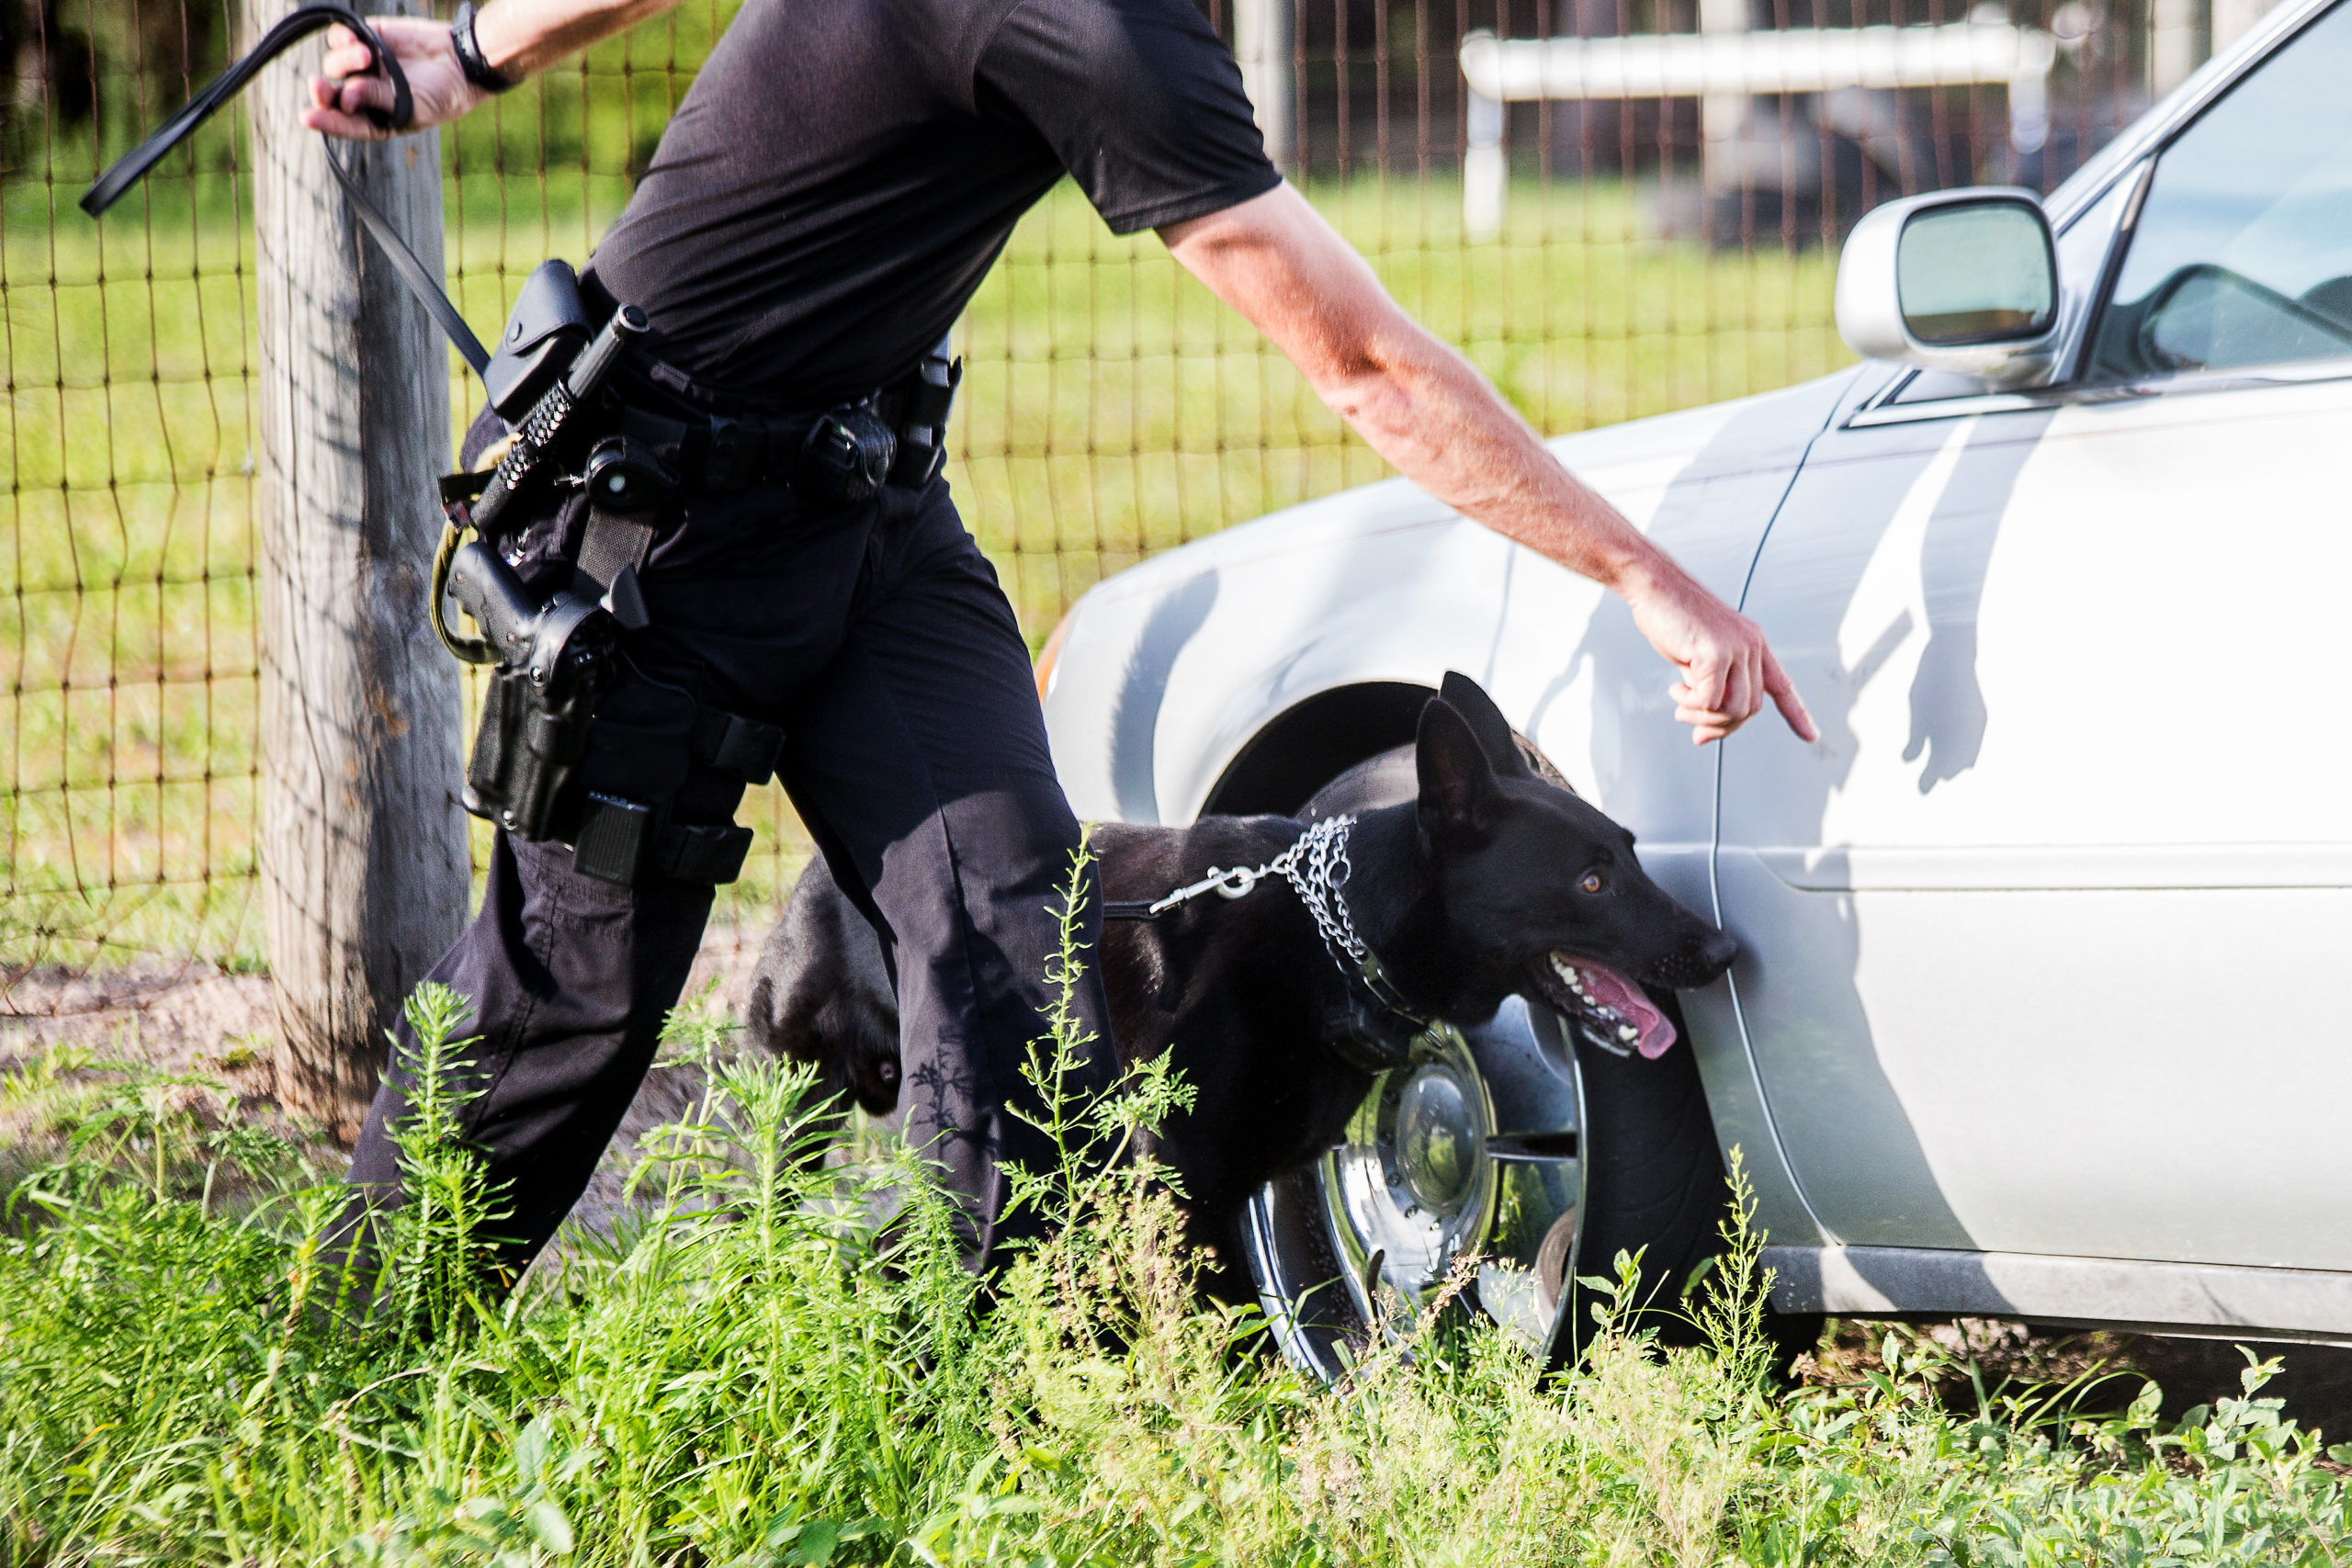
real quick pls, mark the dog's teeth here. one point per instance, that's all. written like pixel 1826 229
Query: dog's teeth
pixel 1572 978
pixel 1627 1032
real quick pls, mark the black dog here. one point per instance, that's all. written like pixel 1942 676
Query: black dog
pixel 1494 882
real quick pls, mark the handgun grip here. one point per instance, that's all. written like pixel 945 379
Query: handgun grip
pixel 495 598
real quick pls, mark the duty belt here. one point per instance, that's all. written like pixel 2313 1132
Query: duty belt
pixel 727 455
pixel 720 453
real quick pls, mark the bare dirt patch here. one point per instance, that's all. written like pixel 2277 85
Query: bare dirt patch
pixel 63 1035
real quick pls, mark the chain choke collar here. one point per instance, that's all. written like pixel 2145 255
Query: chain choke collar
pixel 1317 869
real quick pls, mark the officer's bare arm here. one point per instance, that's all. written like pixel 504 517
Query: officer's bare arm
pixel 517 37
pixel 1428 411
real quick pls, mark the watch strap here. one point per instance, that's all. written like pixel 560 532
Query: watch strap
pixel 470 59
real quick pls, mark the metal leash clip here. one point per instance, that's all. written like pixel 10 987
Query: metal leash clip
pixel 1234 884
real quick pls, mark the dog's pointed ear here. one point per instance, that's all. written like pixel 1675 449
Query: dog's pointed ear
pixel 1486 722
pixel 1460 798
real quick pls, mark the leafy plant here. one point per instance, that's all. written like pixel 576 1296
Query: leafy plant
pixel 781 1360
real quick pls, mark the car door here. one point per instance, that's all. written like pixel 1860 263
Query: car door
pixel 2045 940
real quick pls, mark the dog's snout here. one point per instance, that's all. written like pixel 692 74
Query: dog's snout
pixel 1702 958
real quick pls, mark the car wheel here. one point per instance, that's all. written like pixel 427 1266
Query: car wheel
pixel 1511 1141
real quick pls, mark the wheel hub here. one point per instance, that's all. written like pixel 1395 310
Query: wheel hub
pixel 1440 1142
pixel 1410 1189
pixel 1422 1180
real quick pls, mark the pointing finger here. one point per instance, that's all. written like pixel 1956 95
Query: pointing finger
pixel 1784 697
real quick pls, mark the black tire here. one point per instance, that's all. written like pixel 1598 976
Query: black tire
pixel 1655 1179
pixel 1654 1184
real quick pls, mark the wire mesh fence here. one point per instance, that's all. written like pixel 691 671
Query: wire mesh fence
pixel 1616 207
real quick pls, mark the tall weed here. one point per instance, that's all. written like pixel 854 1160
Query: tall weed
pixel 782 1361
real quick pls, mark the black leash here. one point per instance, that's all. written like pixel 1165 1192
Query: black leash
pixel 291 29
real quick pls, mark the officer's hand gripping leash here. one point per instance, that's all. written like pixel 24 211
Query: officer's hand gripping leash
pixel 288 30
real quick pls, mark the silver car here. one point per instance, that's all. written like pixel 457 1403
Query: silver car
pixel 2040 1010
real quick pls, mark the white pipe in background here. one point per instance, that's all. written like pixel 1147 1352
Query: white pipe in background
pixel 1263 47
pixel 1715 65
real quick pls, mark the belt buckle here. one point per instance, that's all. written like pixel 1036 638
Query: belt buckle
pixel 734 459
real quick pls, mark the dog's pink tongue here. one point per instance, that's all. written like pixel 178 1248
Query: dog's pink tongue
pixel 1612 989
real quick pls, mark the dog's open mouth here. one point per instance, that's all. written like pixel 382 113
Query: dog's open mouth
pixel 1607 1008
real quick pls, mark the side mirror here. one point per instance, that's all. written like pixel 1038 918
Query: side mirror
pixel 1958 281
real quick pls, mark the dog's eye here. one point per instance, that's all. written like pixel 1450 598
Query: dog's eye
pixel 1592 883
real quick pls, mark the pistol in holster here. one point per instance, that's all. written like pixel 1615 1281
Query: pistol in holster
pixel 574 744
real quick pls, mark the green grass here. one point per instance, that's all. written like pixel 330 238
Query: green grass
pixel 758 1373
pixel 1111 409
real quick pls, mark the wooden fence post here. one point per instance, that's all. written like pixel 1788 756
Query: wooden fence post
pixel 362 842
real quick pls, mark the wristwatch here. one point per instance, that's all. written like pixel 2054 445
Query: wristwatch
pixel 470 59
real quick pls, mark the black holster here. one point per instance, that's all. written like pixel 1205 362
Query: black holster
pixel 556 661
pixel 526 752
pixel 576 744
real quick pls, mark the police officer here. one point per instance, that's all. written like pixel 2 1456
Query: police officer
pixel 821 207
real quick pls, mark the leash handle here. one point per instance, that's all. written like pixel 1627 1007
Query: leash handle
pixel 288 30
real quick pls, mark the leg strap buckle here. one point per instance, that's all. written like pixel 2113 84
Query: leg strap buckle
pixel 742 749
pixel 698 853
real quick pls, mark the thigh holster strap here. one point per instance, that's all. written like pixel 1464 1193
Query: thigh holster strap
pixel 699 854
pixel 620 839
pixel 742 749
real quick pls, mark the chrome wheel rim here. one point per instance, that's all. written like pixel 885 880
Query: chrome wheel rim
pixel 1469 1150
pixel 1410 1187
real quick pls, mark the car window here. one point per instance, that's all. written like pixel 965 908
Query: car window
pixel 2243 253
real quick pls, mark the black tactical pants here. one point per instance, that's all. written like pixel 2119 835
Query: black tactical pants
pixel 877 636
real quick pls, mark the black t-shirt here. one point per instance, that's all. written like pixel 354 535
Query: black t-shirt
pixel 842 172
